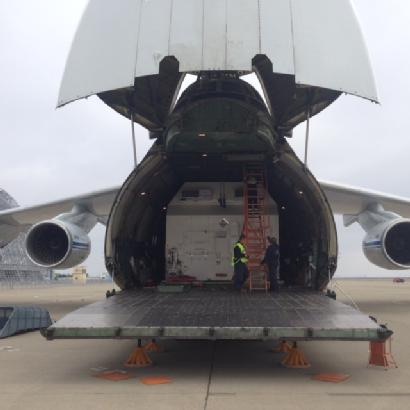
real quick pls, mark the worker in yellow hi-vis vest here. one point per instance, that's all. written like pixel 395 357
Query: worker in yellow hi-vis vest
pixel 240 263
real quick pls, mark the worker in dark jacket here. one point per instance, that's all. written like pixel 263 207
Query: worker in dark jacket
pixel 240 263
pixel 271 260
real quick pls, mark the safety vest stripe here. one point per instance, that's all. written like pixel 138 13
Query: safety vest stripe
pixel 243 257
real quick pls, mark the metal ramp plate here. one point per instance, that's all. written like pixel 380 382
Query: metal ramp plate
pixel 16 319
pixel 218 314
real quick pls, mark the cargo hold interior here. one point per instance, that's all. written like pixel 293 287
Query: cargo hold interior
pixel 135 238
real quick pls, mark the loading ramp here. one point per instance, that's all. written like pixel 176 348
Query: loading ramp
pixel 218 314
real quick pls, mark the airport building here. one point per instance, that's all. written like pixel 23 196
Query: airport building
pixel 15 266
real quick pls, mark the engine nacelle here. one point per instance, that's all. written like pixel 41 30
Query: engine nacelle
pixel 387 245
pixel 57 244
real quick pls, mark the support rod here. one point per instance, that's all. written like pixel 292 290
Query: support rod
pixel 134 145
pixel 307 135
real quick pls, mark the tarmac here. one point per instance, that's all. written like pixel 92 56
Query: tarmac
pixel 38 374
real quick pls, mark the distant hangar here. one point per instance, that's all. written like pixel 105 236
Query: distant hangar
pixel 15 266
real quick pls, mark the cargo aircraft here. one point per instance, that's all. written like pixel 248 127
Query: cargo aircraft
pixel 220 164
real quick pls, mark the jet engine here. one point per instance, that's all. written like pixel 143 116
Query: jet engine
pixel 57 244
pixel 387 245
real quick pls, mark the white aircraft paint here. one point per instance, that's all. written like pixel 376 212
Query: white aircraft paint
pixel 320 42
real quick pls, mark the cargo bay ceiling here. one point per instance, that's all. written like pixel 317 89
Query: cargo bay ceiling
pixel 134 54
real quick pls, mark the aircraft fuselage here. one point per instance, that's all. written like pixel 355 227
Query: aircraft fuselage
pixel 219 126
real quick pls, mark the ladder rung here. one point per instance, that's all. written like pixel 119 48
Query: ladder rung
pixel 256 224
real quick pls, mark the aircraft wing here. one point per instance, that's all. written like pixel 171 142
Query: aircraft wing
pixel 343 199
pixel 16 220
pixel 350 200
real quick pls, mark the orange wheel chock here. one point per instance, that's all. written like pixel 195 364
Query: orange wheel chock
pixel 331 377
pixel 138 358
pixel 154 381
pixel 295 359
pixel 284 347
pixel 114 375
pixel 153 346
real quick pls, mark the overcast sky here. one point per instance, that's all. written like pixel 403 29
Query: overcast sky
pixel 49 154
